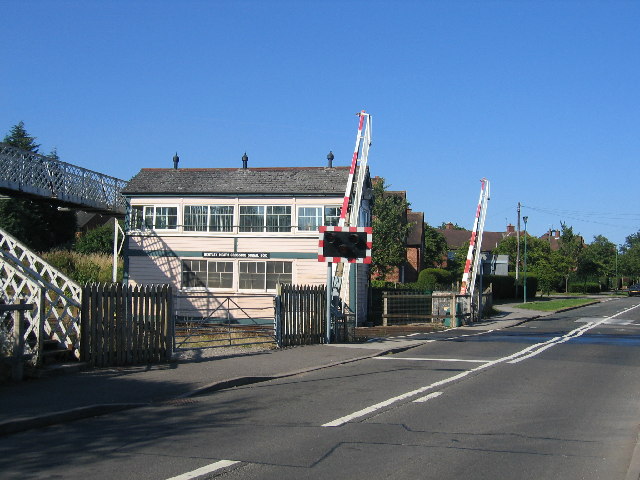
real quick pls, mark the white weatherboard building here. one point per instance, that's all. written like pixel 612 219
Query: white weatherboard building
pixel 235 231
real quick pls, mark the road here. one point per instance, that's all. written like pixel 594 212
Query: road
pixel 552 398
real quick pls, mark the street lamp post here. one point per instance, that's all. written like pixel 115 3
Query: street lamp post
pixel 524 273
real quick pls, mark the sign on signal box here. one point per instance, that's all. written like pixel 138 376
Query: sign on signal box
pixel 345 244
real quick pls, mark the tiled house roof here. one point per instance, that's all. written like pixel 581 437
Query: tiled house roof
pixel 456 238
pixel 239 181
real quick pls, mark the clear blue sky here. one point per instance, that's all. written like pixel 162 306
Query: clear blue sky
pixel 540 97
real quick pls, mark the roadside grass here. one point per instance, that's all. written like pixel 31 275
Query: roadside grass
pixel 553 305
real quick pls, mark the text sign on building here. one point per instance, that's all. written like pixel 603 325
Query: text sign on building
pixel 234 255
pixel 345 244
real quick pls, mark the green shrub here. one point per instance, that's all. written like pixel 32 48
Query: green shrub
pixel 84 268
pixel 504 287
pixel 435 279
pixel 584 287
pixel 383 284
pixel 98 240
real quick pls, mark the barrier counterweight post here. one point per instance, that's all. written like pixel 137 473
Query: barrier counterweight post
pixel 327 337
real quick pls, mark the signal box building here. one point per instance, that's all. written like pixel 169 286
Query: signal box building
pixel 236 231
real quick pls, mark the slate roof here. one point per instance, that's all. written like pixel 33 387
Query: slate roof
pixel 238 181
pixel 456 238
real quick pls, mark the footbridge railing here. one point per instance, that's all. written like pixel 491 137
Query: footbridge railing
pixel 36 175
pixel 56 315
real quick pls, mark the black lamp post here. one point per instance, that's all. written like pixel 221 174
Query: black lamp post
pixel 525 258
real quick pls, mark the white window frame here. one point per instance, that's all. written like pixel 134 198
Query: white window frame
pixel 318 218
pixel 264 274
pixel 323 216
pixel 279 217
pixel 265 214
pixel 151 211
pixel 207 286
pixel 208 226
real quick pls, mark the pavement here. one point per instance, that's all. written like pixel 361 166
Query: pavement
pixel 40 402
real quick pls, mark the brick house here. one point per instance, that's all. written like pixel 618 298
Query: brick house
pixel 414 243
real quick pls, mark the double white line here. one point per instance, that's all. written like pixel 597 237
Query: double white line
pixel 519 356
pixel 541 347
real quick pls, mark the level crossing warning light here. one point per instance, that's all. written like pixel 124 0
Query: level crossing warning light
pixel 345 244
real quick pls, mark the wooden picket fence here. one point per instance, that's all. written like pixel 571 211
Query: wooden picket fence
pixel 301 315
pixel 126 325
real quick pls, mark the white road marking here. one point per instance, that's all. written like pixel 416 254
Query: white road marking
pixel 609 321
pixel 572 334
pixel 212 467
pixel 523 354
pixel 427 397
pixel 420 359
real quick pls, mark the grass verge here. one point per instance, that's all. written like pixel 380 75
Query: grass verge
pixel 553 305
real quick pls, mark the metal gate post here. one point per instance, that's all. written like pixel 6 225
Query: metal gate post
pixel 228 320
pixel 277 319
pixel 327 336
pixel 41 319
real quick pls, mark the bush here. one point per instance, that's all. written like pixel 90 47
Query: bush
pixel 504 287
pixel 84 268
pixel 383 284
pixel 98 240
pixel 584 287
pixel 435 279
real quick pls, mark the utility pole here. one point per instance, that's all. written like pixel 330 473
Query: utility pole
pixel 518 251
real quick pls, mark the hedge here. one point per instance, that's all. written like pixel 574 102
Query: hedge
pixel 434 279
pixel 504 287
pixel 584 287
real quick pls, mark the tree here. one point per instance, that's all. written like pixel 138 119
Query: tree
pixel 453 226
pixel 548 277
pixel 598 258
pixel 537 251
pixel 457 263
pixel 390 229
pixel 39 224
pixel 19 138
pixel 629 261
pixel 570 248
pixel 435 246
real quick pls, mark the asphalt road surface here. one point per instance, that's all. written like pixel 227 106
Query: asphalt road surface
pixel 556 398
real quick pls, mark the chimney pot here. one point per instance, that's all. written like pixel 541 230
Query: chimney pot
pixel 330 158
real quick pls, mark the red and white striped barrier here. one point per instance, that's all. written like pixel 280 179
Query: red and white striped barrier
pixel 472 243
pixel 354 162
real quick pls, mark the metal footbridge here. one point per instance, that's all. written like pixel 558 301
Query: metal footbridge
pixel 28 174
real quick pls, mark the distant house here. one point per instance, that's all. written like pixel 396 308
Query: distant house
pixel 234 231
pixel 553 237
pixel 492 264
pixel 414 243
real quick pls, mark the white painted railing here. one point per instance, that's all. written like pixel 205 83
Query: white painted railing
pixel 26 276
